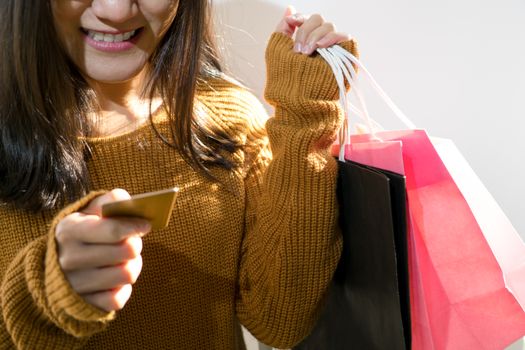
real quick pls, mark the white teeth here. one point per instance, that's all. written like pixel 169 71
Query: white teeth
pixel 110 38
pixel 98 36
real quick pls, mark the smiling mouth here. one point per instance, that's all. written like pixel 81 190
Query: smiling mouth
pixel 112 38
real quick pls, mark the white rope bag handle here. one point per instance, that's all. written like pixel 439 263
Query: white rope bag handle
pixel 340 60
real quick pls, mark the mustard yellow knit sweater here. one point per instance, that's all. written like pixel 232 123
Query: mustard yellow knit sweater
pixel 258 252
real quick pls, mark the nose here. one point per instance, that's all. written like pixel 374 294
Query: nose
pixel 116 11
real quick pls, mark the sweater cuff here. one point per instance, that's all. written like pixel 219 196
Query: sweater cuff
pixel 292 76
pixel 73 313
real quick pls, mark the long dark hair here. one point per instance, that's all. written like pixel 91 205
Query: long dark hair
pixel 44 100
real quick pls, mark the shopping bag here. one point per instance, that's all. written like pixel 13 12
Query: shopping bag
pixel 460 297
pixel 504 241
pixel 467 263
pixel 367 306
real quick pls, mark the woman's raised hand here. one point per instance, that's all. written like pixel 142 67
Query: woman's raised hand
pixel 100 256
pixel 311 32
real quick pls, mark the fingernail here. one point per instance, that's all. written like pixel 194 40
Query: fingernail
pixel 321 43
pixel 307 49
pixel 297 47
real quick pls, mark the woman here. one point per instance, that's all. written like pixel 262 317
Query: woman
pixel 100 94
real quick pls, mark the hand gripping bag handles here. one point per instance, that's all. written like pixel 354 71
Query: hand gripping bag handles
pixel 367 306
pixel 466 261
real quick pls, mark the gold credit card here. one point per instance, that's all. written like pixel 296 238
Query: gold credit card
pixel 153 206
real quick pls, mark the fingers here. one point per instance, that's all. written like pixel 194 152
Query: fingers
pixel 95 206
pixel 88 227
pixel 304 31
pixel 311 32
pixel 94 229
pixel 107 278
pixel 290 22
pixel 325 32
pixel 332 39
pixel 111 300
pixel 100 256
pixel 87 256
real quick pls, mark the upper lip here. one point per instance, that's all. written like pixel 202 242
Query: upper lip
pixel 109 31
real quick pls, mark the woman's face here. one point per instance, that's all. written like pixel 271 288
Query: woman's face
pixel 111 40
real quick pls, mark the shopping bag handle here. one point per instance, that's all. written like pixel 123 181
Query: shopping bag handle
pixel 343 69
pixel 344 59
pixel 340 73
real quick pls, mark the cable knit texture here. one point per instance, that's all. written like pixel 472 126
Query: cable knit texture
pixel 258 249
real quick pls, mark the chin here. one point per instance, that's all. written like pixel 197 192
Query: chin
pixel 112 77
pixel 106 73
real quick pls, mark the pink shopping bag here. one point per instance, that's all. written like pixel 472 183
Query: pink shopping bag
pixel 461 297
pixel 504 241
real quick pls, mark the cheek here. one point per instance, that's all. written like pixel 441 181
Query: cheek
pixel 66 18
pixel 158 7
pixel 67 13
pixel 160 14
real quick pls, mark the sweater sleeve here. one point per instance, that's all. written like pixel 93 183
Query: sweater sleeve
pixel 40 309
pixel 292 243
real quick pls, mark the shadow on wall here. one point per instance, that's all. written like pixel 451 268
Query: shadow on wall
pixel 243 28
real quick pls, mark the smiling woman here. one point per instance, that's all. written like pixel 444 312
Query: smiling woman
pixel 129 94
pixel 85 87
pixel 89 31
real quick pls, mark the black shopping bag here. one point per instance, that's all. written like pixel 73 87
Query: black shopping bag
pixel 367 305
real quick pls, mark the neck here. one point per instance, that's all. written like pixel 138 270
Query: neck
pixel 121 108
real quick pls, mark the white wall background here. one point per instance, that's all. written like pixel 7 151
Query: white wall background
pixel 456 68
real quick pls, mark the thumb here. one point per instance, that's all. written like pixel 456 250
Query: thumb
pixel 95 206
pixel 289 22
